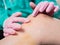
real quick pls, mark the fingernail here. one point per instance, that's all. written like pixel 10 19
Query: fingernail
pixel 56 9
pixel 6 34
pixel 41 10
pixel 12 32
pixel 32 15
pixel 27 20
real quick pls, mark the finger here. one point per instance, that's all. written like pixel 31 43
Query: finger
pixel 56 8
pixel 15 26
pixel 44 6
pixel 9 31
pixel 51 13
pixel 50 7
pixel 17 14
pixel 32 5
pixel 20 19
pixel 6 34
pixel 35 12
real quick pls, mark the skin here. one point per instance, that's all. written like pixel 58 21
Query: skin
pixel 10 26
pixel 44 30
pixel 44 7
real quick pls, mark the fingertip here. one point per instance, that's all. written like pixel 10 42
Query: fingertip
pixel 44 6
pixel 36 10
pixel 5 34
pixel 13 32
pixel 27 20
pixel 16 14
pixel 32 5
pixel 33 14
pixel 50 7
pixel 41 10
pixel 56 8
pixel 10 31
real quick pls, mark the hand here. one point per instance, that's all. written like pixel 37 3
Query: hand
pixel 44 7
pixel 11 26
pixel 46 30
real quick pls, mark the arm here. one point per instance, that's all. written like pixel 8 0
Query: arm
pixel 40 29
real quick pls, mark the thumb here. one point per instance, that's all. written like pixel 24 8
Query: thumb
pixel 32 5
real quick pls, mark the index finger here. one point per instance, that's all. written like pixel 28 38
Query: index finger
pixel 36 9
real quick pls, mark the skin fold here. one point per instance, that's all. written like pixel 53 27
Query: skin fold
pixel 40 29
